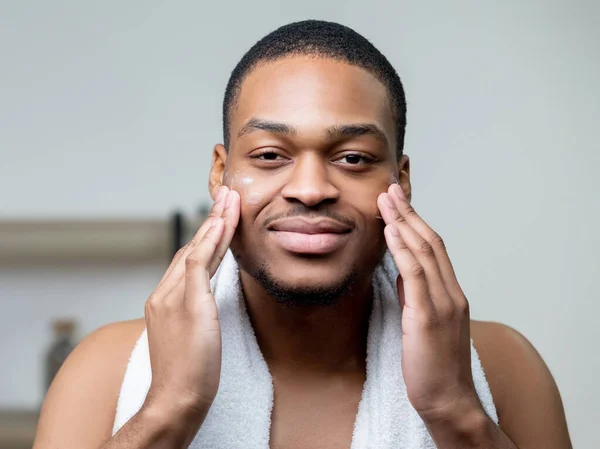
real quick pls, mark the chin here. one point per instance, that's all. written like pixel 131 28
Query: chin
pixel 300 283
pixel 304 284
pixel 306 293
pixel 294 279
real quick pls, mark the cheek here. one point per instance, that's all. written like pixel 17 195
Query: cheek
pixel 253 192
pixel 364 196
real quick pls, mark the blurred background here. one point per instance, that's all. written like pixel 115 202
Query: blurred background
pixel 109 112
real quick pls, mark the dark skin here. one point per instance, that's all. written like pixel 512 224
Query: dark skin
pixel 287 145
pixel 335 115
pixel 309 172
pixel 312 168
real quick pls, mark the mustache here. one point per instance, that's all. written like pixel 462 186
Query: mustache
pixel 305 212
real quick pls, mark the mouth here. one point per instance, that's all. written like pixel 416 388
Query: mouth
pixel 304 236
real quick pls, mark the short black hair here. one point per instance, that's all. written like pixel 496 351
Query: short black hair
pixel 322 39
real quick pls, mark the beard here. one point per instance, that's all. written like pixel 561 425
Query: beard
pixel 290 296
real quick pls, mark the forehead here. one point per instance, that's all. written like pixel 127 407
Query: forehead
pixel 313 93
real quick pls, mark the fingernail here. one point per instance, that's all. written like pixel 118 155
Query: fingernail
pixel 395 231
pixel 398 191
pixel 388 200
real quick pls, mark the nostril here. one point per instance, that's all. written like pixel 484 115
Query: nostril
pixel 311 195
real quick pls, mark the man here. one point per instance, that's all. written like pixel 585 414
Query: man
pixel 311 186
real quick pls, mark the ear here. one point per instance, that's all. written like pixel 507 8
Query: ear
pixel 217 171
pixel 404 176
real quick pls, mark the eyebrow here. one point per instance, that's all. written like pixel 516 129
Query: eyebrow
pixel 335 132
pixel 339 132
pixel 256 124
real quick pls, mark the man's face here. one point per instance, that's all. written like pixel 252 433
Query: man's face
pixel 312 146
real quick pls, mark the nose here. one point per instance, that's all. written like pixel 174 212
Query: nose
pixel 309 182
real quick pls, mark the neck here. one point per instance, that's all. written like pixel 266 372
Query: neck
pixel 324 339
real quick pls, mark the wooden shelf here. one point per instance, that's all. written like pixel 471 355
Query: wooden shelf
pixel 51 241
pixel 17 428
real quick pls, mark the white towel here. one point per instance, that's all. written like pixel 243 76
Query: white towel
pixel 240 416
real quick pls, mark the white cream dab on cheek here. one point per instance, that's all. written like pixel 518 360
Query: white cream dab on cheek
pixel 250 196
pixel 243 184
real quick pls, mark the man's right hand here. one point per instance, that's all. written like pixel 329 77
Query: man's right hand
pixel 184 339
pixel 182 321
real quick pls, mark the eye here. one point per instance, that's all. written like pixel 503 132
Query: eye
pixel 356 159
pixel 353 159
pixel 267 156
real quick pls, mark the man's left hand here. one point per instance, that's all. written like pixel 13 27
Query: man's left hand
pixel 436 344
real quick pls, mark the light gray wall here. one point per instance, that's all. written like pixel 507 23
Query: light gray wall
pixel 112 108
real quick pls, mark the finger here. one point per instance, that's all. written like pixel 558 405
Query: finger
pixel 172 299
pixel 216 211
pixel 231 215
pixel 433 239
pixel 416 292
pixel 167 303
pixel 175 295
pixel 197 277
pixel 177 268
pixel 178 255
pixel 422 251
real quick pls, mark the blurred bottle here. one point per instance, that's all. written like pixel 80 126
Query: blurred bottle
pixel 61 346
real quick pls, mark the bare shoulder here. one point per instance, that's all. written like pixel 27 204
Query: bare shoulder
pixel 530 409
pixel 80 406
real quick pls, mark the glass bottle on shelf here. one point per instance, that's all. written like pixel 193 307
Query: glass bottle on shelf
pixel 62 345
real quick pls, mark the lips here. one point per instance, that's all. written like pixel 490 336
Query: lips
pixel 306 226
pixel 304 236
